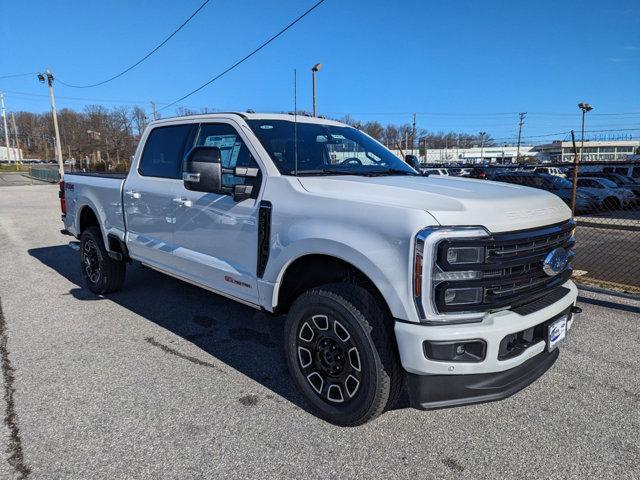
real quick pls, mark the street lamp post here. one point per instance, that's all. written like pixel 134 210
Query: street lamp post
pixel 482 134
pixel 585 107
pixel 314 69
pixel 48 77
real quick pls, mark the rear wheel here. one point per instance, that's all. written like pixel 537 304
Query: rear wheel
pixel 102 274
pixel 612 203
pixel 341 354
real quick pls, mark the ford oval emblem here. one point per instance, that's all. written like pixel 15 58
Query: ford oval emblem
pixel 555 262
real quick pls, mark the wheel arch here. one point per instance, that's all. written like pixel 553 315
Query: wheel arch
pixel 311 269
pixel 87 218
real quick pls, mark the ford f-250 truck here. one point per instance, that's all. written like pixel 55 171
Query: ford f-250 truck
pixel 458 289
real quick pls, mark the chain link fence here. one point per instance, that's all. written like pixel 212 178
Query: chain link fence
pixel 605 198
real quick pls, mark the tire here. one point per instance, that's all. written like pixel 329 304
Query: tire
pixel 102 274
pixel 341 354
pixel 612 203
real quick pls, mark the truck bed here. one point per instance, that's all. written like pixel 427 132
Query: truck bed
pixel 102 193
pixel 119 175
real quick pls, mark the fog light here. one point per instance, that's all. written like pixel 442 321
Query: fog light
pixel 455 351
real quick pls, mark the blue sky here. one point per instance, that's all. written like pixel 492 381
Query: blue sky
pixel 461 65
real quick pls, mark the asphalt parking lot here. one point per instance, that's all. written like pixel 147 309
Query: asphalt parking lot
pixel 164 380
pixel 11 179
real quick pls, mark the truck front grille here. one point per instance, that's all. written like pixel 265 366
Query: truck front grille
pixel 512 272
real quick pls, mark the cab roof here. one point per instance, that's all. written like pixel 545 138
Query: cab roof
pixel 300 118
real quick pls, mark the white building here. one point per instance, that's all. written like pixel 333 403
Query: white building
pixel 498 154
pixel 13 154
pixel 594 151
pixel 555 152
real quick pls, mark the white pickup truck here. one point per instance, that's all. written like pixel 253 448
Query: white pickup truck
pixel 457 289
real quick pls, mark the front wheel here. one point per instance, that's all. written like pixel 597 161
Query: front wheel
pixel 102 274
pixel 340 354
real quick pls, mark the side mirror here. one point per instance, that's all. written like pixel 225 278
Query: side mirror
pixel 203 170
pixel 413 161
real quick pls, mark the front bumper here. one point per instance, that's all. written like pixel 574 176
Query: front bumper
pixel 502 377
pixel 427 392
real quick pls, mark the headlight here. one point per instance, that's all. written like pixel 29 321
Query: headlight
pixel 427 275
pixel 465 255
pixel 463 296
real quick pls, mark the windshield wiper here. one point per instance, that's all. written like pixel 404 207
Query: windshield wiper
pixel 358 173
pixel 326 171
pixel 392 171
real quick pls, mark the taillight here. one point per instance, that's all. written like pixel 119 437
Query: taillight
pixel 63 200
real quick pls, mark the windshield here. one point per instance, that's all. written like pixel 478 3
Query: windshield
pixel 607 183
pixel 325 150
pixel 559 182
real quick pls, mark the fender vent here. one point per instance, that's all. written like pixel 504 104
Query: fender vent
pixel 264 236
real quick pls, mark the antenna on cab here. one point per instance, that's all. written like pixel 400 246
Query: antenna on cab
pixel 295 122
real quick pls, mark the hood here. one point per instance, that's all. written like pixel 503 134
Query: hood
pixel 499 207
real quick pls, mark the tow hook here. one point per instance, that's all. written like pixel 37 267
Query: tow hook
pixel 575 310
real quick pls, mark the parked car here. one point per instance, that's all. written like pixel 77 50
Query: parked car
pixel 550 171
pixel 479 172
pixel 434 171
pixel 458 289
pixel 585 202
pixel 609 194
pixel 631 171
pixel 620 180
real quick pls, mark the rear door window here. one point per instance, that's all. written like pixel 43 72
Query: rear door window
pixel 164 150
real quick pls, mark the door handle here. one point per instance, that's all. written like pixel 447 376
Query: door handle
pixel 183 202
pixel 132 194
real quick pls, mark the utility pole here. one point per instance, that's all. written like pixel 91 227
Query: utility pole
pixel 48 77
pixel 15 135
pixel 482 134
pixel 520 124
pixel 6 130
pixel 154 111
pixel 426 149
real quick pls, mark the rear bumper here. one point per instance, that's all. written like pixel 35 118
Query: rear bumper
pixel 428 392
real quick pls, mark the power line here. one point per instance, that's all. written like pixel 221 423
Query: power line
pixel 246 57
pixel 17 75
pixel 618 114
pixel 143 58
pixel 488 114
pixel 83 99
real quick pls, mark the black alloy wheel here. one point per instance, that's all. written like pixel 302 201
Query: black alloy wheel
pixel 341 353
pixel 329 358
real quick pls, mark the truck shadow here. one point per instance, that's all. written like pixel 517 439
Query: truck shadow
pixel 241 337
